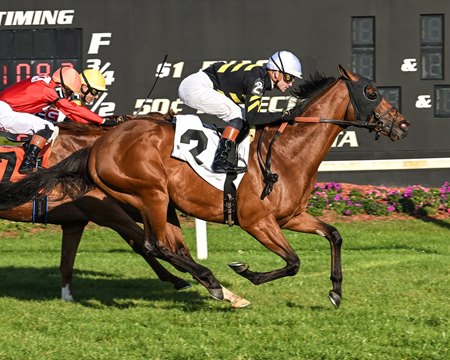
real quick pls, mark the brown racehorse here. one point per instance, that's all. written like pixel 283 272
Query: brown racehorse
pixel 133 164
pixel 73 216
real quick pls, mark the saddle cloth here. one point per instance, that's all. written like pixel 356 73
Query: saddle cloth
pixel 196 144
pixel 12 156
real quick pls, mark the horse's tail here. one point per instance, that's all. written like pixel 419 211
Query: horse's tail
pixel 70 174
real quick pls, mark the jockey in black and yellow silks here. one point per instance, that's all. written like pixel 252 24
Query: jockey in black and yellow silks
pixel 221 88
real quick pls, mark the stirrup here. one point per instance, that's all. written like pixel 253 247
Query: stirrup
pixel 227 167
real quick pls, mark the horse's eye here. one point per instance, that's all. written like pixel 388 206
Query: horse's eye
pixel 370 93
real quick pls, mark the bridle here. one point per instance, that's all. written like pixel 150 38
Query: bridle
pixel 380 124
pixel 366 116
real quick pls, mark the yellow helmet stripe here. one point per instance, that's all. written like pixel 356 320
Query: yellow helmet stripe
pixel 223 68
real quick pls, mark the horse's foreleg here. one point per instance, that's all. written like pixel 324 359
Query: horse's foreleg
pixel 307 223
pixel 70 241
pixel 269 234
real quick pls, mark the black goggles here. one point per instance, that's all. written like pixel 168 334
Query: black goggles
pixel 288 78
pixel 94 92
pixel 91 90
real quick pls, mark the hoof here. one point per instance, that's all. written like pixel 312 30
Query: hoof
pixel 66 294
pixel 68 299
pixel 216 293
pixel 236 301
pixel 335 299
pixel 181 285
pixel 240 304
pixel 238 267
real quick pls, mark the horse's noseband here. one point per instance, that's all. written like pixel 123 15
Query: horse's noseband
pixel 380 124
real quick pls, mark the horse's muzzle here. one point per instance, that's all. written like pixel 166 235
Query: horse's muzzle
pixel 404 127
pixel 400 131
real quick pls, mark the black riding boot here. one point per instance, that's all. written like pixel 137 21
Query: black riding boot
pixel 31 154
pixel 221 163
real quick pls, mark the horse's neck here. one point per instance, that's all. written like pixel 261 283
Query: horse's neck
pixel 306 145
pixel 318 138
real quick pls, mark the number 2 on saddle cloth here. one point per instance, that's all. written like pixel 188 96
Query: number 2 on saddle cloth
pixel 12 156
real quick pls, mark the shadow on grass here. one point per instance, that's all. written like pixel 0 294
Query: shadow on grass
pixel 391 248
pixel 98 289
pixel 441 223
pixel 422 214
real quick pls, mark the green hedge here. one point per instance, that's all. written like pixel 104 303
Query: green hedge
pixel 414 200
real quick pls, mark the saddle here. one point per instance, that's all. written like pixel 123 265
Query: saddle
pixel 195 143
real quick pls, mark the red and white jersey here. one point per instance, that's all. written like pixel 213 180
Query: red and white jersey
pixel 34 94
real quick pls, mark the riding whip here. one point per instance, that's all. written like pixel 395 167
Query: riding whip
pixel 154 84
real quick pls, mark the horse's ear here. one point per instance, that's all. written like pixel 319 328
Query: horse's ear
pixel 346 74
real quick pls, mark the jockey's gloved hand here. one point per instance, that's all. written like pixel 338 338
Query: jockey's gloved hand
pixel 122 118
pixel 115 120
pixel 290 115
pixel 109 121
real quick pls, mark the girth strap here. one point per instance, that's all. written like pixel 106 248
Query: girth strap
pixel 229 200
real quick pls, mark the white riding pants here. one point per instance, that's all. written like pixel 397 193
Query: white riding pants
pixel 197 91
pixel 21 123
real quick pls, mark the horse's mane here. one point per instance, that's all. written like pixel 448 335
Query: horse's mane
pixel 309 89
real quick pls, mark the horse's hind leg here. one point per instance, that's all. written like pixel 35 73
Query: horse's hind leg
pixel 175 236
pixel 163 274
pixel 145 188
pixel 154 205
pixel 70 241
pixel 106 212
pixel 307 223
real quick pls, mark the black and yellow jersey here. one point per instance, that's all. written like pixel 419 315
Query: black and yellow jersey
pixel 244 83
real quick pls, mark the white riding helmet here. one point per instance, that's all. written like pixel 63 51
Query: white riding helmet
pixel 286 62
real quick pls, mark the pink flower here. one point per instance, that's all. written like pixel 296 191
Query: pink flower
pixel 391 208
pixel 333 186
